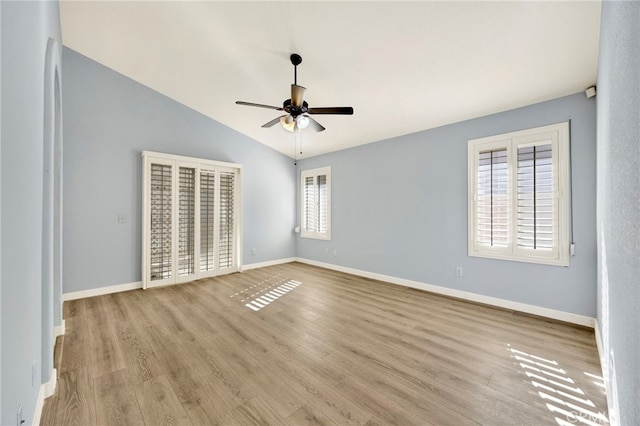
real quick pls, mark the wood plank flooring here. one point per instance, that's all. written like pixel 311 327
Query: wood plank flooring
pixel 295 345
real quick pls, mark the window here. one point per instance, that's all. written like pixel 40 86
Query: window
pixel 519 195
pixel 191 226
pixel 316 203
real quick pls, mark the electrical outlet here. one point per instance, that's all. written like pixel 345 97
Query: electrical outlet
pixel 326 251
pixel 122 218
pixel 458 271
pixel 253 251
pixel 33 373
pixel 335 252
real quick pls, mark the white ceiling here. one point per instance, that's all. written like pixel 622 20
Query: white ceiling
pixel 403 66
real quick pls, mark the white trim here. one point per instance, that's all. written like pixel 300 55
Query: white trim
pixel 58 330
pixel 599 345
pixel 46 390
pixel 182 158
pixel 472 297
pixel 612 402
pixel 101 290
pixel 49 388
pixel 269 263
pixel 82 294
pixel 238 220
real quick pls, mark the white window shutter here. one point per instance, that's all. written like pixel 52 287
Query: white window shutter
pixel 186 221
pixel 160 211
pixel 191 226
pixel 310 204
pixel 492 199
pixel 207 219
pixel 226 217
pixel 519 195
pixel 321 204
pixel 316 203
pixel 535 197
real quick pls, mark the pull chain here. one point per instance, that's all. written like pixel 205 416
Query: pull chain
pixel 300 140
pixel 297 140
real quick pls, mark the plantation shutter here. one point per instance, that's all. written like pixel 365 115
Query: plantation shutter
pixel 161 219
pixel 310 223
pixel 492 198
pixel 519 195
pixel 226 215
pixel 535 197
pixel 207 219
pixel 186 220
pixel 316 203
pixel 321 204
pixel 190 219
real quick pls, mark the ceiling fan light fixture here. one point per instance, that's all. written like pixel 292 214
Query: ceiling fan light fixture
pixel 302 121
pixel 288 123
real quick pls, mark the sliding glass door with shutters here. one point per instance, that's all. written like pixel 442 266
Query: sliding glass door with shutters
pixel 191 226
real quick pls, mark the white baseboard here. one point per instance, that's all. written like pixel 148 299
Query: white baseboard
pixel 138 284
pixel 472 297
pixel 599 346
pixel 49 388
pixel 46 390
pixel 268 263
pixel 101 290
pixel 612 394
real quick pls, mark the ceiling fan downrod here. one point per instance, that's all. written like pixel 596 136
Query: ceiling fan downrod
pixel 295 60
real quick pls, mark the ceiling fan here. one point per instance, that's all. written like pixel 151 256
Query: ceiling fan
pixel 297 110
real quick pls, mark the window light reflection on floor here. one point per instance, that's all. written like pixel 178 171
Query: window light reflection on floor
pixel 598 381
pixel 272 295
pixel 260 286
pixel 560 393
pixel 265 292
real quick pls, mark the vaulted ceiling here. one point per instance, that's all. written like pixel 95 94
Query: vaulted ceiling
pixel 402 66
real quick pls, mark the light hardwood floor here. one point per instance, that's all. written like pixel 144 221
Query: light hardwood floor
pixel 324 348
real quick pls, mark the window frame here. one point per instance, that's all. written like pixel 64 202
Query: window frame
pixel 315 173
pixel 558 135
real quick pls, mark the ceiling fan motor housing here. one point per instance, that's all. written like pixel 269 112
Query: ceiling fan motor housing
pixel 295 111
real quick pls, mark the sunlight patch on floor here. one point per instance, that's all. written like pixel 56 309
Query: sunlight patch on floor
pixel 560 393
pixel 266 292
pixel 260 286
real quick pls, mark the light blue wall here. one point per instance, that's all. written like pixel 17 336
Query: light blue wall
pixel 400 209
pixel 108 121
pixel 618 211
pixel 0 210
pixel 394 213
pixel 26 29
